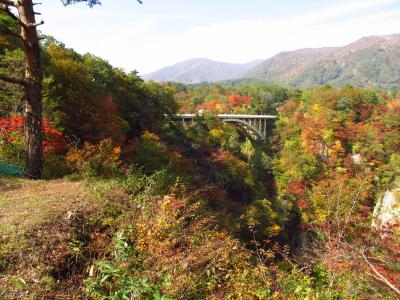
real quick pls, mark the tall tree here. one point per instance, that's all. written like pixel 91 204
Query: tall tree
pixel 23 14
pixel 32 81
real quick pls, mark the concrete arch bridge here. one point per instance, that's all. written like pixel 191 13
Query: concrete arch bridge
pixel 256 126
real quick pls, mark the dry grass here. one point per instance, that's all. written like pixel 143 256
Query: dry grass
pixel 26 204
pixel 42 231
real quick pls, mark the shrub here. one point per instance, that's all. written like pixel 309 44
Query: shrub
pixel 170 245
pixel 55 166
pixel 151 154
pixel 100 160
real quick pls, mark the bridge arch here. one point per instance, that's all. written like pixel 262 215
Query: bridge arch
pixel 254 125
pixel 250 129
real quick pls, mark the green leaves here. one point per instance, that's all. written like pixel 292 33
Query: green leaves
pixel 113 282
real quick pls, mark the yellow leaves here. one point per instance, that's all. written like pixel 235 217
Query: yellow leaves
pixel 147 135
pixel 274 230
pixel 327 135
pixel 216 134
pixel 341 170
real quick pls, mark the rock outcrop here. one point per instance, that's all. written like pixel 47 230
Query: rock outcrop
pixel 387 209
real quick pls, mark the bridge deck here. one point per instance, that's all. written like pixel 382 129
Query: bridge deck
pixel 228 116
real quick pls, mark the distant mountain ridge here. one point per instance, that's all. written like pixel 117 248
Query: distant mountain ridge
pixel 200 70
pixel 370 61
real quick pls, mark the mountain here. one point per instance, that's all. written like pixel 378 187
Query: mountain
pixel 370 61
pixel 201 70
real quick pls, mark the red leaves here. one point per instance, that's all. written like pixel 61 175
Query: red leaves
pixel 302 203
pixel 11 125
pixel 300 117
pixel 53 140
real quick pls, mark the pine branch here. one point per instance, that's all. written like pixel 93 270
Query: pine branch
pixel 12 16
pixel 8 3
pixel 12 80
pixel 9 13
pixel 6 31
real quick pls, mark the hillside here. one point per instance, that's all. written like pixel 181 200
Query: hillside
pixel 288 64
pixel 370 61
pixel 201 70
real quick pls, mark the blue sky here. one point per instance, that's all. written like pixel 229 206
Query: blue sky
pixel 161 32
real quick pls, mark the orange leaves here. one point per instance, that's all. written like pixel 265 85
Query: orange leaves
pixel 297 188
pixel 99 159
pixel 220 103
pixel 238 100
pixel 213 105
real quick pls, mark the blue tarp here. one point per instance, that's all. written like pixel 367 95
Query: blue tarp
pixel 9 169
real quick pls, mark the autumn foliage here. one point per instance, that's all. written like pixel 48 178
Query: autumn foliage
pixel 337 154
pixel 11 130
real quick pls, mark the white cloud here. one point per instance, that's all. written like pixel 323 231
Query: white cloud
pixel 244 40
pixel 342 10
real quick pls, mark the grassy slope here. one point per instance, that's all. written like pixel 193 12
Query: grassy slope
pixel 40 235
pixel 52 232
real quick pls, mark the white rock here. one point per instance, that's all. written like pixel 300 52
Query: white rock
pixel 356 158
pixel 387 209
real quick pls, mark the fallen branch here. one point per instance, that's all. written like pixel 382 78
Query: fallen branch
pixel 379 276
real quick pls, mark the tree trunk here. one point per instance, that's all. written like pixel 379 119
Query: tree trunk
pixel 33 91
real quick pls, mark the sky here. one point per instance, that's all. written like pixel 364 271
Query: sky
pixel 158 33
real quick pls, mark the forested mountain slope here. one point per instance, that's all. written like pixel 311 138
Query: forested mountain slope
pixel 370 61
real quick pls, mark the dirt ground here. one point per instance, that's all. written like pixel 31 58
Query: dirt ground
pixel 43 235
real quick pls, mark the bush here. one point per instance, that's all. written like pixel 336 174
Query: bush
pixel 151 154
pixel 55 166
pixel 170 245
pixel 100 160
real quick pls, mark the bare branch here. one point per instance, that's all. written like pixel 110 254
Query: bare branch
pixel 12 80
pixel 36 24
